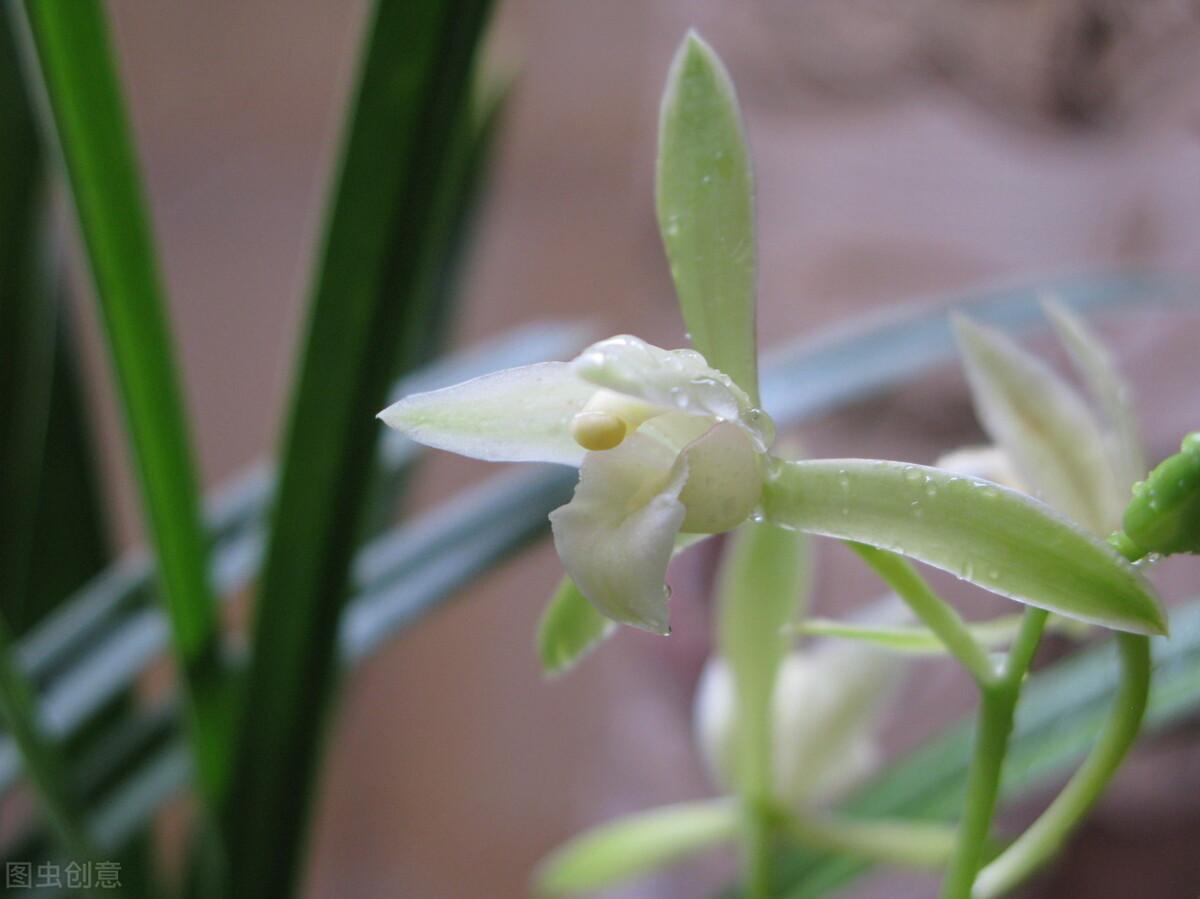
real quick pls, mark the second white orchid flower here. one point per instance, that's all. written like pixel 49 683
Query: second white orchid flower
pixel 665 444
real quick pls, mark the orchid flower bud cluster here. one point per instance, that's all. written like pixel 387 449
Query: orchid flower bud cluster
pixel 827 703
pixel 665 445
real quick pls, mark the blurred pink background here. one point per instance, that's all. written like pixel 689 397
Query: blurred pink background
pixel 905 150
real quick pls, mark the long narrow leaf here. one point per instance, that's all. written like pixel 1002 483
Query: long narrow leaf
pixel 852 362
pixel 370 304
pixel 44 762
pixel 27 337
pixel 85 99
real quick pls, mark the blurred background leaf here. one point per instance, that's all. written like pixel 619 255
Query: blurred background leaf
pixel 375 312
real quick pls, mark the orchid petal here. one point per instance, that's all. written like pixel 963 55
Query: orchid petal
pixel 1043 424
pixel 724 482
pixel 680 380
pixel 516 415
pixel 826 706
pixel 617 534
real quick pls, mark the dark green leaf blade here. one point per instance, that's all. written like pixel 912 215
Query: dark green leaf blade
pixel 89 117
pixel 372 307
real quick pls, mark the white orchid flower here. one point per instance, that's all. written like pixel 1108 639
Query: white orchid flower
pixel 665 444
pixel 827 703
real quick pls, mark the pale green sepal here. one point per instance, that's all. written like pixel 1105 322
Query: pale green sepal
pixel 1108 389
pixel 636 845
pixel 762 587
pixel 997 538
pixel 1043 424
pixel 911 640
pixel 914 844
pixel 516 415
pixel 705 196
pixel 570 629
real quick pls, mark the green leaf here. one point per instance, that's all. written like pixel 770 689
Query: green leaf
pixel 706 211
pixel 997 538
pixel 373 306
pixel 89 116
pixel 762 586
pixel 636 845
pixel 42 759
pixel 1044 426
pixel 844 364
pixel 910 640
pixel 570 628
pixel 1108 389
pixel 70 536
pixel 27 337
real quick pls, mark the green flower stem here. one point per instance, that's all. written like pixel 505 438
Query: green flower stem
pixel 997 709
pixel 914 844
pixel 1020 655
pixel 1044 838
pixel 762 586
pixel 938 615
pixel 757 834
pixel 999 691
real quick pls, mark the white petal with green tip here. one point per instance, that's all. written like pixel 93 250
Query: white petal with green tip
pixel 1042 423
pixel 516 415
pixel 1109 390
